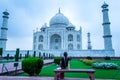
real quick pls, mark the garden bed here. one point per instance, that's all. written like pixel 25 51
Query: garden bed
pixel 77 64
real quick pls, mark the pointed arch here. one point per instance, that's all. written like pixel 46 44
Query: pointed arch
pixel 70 37
pixel 55 42
pixel 35 38
pixel 78 38
pixel 40 47
pixel 41 38
pixel 78 46
pixel 70 46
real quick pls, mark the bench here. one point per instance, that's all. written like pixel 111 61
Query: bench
pixel 89 71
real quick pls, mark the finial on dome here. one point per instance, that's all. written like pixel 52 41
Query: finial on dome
pixel 104 2
pixel 6 10
pixel 36 29
pixel 80 29
pixel 33 31
pixel 59 10
pixel 45 24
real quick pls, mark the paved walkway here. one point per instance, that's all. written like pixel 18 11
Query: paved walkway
pixel 40 78
pixel 10 66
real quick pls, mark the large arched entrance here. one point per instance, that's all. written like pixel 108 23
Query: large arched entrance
pixel 55 42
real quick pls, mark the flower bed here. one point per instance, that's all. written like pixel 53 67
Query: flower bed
pixel 88 61
pixel 104 65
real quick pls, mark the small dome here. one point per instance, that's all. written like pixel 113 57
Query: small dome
pixel 60 19
pixel 70 25
pixel 44 26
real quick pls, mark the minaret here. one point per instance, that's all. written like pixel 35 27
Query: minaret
pixel 81 36
pixel 89 42
pixel 106 28
pixel 4 28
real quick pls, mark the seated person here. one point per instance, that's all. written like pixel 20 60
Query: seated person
pixel 64 63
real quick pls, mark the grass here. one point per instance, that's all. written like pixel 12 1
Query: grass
pixel 8 61
pixel 76 64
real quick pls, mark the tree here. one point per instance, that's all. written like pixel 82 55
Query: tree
pixel 49 56
pixel 20 56
pixel 43 55
pixel 17 54
pixel 34 54
pixel 46 56
pixel 27 54
pixel 1 51
pixel 8 56
pixel 39 54
pixel 52 56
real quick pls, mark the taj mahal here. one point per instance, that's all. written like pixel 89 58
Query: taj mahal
pixel 61 36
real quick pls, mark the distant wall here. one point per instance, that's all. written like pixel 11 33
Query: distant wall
pixel 76 53
pixel 13 52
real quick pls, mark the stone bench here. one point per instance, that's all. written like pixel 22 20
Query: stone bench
pixel 89 71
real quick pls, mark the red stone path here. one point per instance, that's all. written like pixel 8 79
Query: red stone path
pixel 40 78
pixel 10 66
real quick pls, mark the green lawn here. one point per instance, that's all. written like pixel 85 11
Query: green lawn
pixel 100 73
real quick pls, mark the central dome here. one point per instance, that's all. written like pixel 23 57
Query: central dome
pixel 59 19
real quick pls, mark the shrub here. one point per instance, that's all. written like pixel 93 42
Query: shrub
pixel 107 58
pixel 11 57
pixel 32 65
pixel 88 57
pixel 104 65
pixel 88 62
pixel 57 60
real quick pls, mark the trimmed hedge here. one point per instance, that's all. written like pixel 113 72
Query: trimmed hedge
pixel 89 57
pixel 107 58
pixel 57 60
pixel 32 65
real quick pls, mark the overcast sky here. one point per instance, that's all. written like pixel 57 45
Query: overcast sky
pixel 27 15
